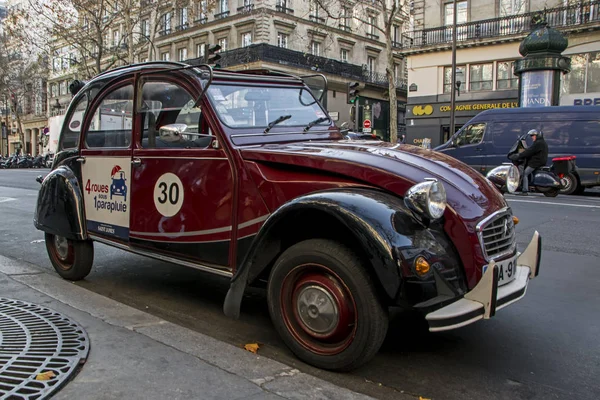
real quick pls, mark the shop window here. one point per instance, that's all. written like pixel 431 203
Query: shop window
pixel 448 77
pixel 505 79
pixel 481 77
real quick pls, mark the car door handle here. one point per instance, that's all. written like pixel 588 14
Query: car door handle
pixel 136 162
pixel 80 160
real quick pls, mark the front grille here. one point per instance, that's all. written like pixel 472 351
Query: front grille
pixel 497 235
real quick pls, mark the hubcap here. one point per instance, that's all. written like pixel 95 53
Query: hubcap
pixel 317 309
pixel 566 182
pixel 62 247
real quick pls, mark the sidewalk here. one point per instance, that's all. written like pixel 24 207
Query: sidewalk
pixel 134 355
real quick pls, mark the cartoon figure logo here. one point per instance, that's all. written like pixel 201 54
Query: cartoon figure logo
pixel 118 186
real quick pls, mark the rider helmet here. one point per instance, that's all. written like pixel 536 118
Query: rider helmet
pixel 534 132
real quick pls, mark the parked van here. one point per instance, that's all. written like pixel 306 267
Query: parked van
pixel 484 141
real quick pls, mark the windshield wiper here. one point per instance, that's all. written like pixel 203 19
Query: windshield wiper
pixel 315 122
pixel 277 121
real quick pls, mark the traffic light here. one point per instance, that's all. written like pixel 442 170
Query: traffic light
pixel 352 92
pixel 211 54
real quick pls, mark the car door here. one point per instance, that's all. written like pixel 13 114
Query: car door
pixel 106 162
pixel 468 145
pixel 182 181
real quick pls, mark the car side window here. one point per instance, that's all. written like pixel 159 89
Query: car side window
pixel 505 134
pixel 472 134
pixel 111 123
pixel 170 118
pixel 69 138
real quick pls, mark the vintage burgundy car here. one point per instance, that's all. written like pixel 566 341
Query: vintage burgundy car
pixel 244 175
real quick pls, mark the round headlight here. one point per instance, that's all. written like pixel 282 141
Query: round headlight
pixel 512 179
pixel 427 199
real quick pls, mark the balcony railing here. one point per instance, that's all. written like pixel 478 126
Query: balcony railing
pixel 164 32
pixel 245 9
pixel 182 27
pixel 201 20
pixel 317 19
pixel 283 9
pixel 565 17
pixel 222 15
pixel 297 59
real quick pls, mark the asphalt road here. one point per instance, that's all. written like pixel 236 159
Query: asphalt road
pixel 543 347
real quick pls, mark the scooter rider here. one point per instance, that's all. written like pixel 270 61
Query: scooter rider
pixel 535 157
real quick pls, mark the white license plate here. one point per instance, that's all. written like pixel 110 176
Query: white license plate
pixel 507 270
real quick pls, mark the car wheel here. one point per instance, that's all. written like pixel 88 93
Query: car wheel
pixel 325 307
pixel 72 259
pixel 569 183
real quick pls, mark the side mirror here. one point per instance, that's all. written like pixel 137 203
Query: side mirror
pixel 39 179
pixel 454 142
pixel 172 132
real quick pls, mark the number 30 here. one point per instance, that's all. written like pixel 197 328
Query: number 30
pixel 173 195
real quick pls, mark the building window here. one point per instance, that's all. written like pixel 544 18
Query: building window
pixel 246 39
pixel 282 40
pixel 511 7
pixel 593 73
pixel 201 11
pixel 371 30
pixel 182 54
pixel 165 56
pixel 481 77
pixel 461 13
pixel 115 42
pixel 315 48
pixel 313 13
pixel 62 88
pixel 346 22
pixel 223 44
pixel 284 6
pixel 145 28
pixel 505 79
pixel 200 50
pixel 223 6
pixel 448 77
pixel 344 55
pixel 371 64
pixel 166 23
pixel 53 90
pixel 396 36
pixel 183 18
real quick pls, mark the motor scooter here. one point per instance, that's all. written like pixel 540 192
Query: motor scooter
pixel 543 180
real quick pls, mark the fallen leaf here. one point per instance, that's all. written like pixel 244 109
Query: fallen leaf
pixel 252 347
pixel 423 398
pixel 44 376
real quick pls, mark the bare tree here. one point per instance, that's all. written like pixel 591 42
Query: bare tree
pixel 391 12
pixel 20 81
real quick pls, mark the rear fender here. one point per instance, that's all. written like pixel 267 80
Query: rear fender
pixel 547 179
pixel 59 209
pixel 389 235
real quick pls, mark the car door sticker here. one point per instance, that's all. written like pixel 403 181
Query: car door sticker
pixel 106 195
pixel 168 194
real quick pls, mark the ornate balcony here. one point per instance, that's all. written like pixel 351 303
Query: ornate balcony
pixel 585 15
pixel 297 59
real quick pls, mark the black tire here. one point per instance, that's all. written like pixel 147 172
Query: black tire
pixel 551 192
pixel 330 273
pixel 580 190
pixel 570 184
pixel 73 262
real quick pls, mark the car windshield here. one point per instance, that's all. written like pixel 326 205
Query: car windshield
pixel 258 107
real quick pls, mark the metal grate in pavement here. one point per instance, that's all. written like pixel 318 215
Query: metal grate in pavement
pixel 35 340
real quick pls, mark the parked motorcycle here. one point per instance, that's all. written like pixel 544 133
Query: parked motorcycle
pixel 543 180
pixel 25 162
pixel 38 162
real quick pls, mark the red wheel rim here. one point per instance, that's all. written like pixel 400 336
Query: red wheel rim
pixel 62 251
pixel 318 309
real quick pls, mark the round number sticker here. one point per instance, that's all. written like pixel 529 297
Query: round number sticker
pixel 168 194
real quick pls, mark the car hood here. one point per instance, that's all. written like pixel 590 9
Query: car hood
pixel 392 167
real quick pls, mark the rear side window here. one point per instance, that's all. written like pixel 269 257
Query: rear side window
pixel 69 138
pixel 111 124
pixel 505 134
pixel 560 134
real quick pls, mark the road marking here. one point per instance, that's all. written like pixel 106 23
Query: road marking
pixel 552 203
pixel 5 199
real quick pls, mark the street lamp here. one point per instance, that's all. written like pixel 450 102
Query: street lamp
pixel 460 76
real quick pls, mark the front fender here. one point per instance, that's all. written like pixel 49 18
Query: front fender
pixel 387 231
pixel 59 209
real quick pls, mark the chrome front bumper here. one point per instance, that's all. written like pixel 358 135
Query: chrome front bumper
pixel 487 297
